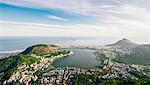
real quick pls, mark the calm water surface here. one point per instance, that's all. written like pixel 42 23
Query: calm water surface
pixel 80 58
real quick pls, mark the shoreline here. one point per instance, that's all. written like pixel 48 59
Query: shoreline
pixel 60 56
pixel 12 51
pixel 6 54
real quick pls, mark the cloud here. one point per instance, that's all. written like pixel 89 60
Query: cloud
pixel 119 18
pixel 98 9
pixel 79 6
pixel 44 26
pixel 56 18
pixel 80 30
pixel 36 29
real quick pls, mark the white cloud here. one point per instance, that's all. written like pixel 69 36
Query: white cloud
pixel 80 6
pixel 36 29
pixel 81 30
pixel 118 18
pixel 34 24
pixel 56 18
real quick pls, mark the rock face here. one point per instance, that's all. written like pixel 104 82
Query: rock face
pixel 41 49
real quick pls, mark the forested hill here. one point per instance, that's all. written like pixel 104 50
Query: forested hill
pixel 10 64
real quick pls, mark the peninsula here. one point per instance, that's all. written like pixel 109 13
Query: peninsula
pixel 25 65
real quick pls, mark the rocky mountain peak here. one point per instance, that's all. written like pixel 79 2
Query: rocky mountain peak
pixel 124 43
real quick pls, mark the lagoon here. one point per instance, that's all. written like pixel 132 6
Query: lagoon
pixel 81 58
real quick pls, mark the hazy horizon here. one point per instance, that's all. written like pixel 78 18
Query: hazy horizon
pixel 22 42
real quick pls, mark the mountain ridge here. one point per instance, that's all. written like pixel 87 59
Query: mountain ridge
pixel 131 52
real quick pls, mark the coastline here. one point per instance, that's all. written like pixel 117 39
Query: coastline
pixel 26 72
pixel 61 56
pixel 12 51
pixel 5 54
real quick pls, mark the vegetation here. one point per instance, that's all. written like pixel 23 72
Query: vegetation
pixel 93 80
pixel 139 57
pixel 10 64
pixel 84 79
pixel 102 55
pixel 147 70
pixel 40 49
pixel 57 53
pixel 137 74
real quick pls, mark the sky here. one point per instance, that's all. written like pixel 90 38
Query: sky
pixel 76 18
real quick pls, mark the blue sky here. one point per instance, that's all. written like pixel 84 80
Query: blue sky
pixel 82 18
pixel 45 16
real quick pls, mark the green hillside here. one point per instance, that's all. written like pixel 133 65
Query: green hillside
pixel 141 55
pixel 10 64
pixel 41 49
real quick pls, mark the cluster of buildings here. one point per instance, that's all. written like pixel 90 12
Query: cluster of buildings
pixel 120 50
pixel 119 70
pixel 22 75
pixel 122 70
pixel 60 76
pixel 64 75
pixel 110 70
pixel 27 72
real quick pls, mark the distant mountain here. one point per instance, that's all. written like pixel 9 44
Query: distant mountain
pixel 131 52
pixel 124 43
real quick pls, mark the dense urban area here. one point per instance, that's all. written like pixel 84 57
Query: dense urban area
pixel 34 66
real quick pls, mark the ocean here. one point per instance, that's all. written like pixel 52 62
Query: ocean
pixel 19 43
